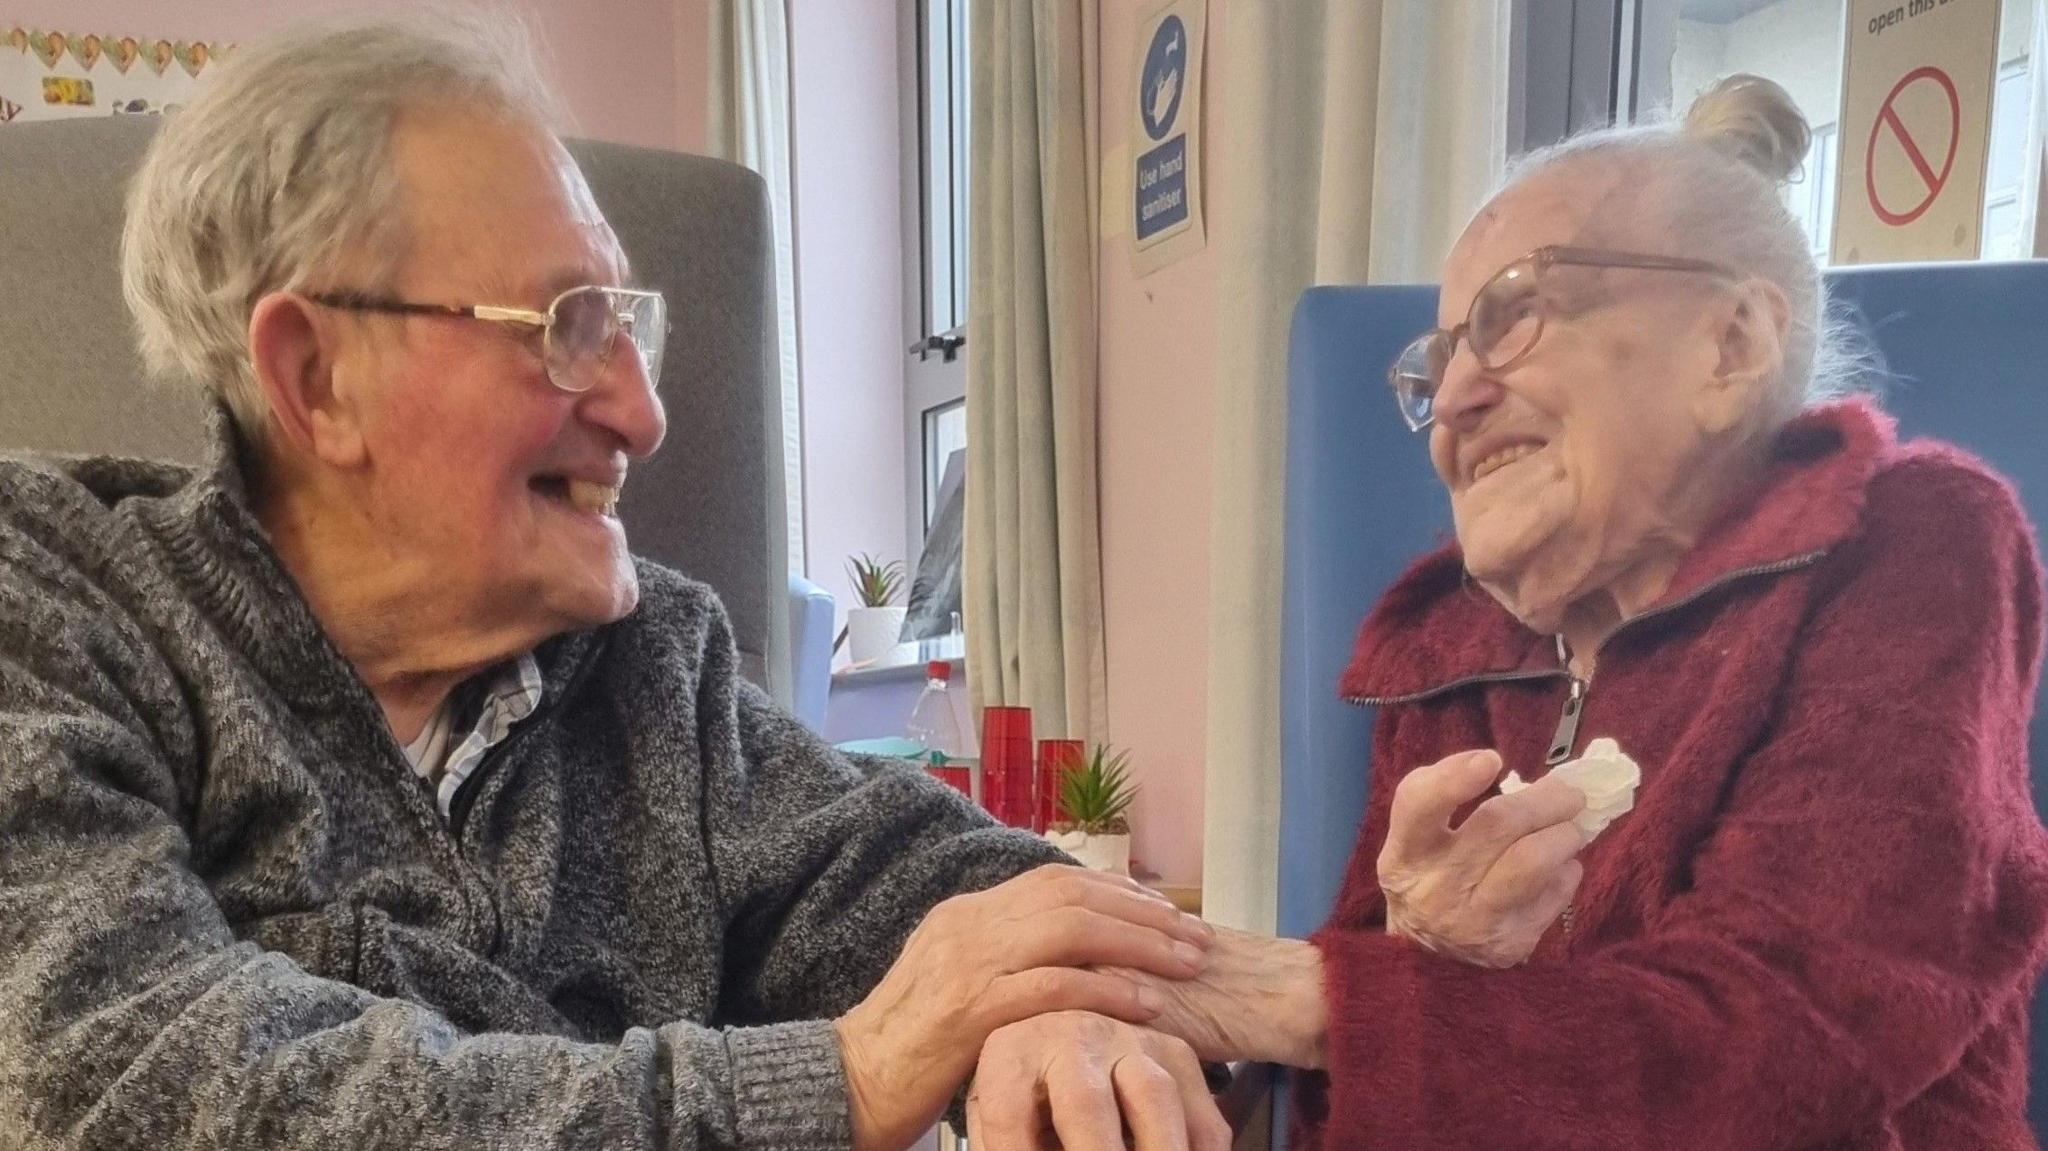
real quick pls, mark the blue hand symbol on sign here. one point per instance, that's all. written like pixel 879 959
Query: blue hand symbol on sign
pixel 1159 86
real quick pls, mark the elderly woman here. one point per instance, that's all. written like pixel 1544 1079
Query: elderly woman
pixel 1821 923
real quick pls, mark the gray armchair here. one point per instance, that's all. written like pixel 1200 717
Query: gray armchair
pixel 710 503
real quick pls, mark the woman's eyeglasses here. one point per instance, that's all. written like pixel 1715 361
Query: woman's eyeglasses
pixel 580 328
pixel 1506 319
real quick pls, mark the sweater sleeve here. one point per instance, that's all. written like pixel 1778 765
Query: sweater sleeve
pixel 822 862
pixel 131 1016
pixel 825 862
pixel 1872 896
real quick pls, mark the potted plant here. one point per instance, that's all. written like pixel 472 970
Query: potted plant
pixel 1093 799
pixel 873 628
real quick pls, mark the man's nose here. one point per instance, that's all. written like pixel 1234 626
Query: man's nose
pixel 625 403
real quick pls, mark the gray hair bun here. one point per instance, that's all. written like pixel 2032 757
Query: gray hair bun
pixel 1751 119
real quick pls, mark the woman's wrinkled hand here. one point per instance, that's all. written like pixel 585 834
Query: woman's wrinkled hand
pixel 1485 891
pixel 1260 998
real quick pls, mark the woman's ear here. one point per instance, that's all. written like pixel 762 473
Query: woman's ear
pixel 1749 327
pixel 293 349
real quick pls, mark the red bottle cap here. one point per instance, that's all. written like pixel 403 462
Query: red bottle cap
pixel 938 669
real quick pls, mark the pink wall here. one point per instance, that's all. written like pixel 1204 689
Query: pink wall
pixel 693 75
pixel 1158 375
pixel 617 63
pixel 845 139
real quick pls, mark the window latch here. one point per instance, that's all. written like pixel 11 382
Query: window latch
pixel 947 345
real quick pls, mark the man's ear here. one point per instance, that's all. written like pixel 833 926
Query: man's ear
pixel 1749 327
pixel 292 347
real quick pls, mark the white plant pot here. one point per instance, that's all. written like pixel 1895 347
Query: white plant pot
pixel 871 632
pixel 1111 853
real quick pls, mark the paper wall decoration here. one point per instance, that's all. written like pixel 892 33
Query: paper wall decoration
pixel 50 75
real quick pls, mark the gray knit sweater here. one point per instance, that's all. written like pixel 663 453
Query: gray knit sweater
pixel 232 917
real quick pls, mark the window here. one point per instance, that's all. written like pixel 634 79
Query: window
pixel 2004 170
pixel 936 173
pixel 945 432
pixel 942 163
pixel 1581 63
pixel 1812 196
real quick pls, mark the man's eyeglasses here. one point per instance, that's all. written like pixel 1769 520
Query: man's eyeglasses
pixel 579 329
pixel 1506 319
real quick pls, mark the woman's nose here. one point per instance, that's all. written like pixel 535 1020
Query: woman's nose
pixel 1467 392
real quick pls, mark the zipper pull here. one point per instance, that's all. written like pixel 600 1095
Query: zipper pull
pixel 1567 725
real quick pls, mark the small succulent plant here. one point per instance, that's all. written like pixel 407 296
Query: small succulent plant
pixel 1095 794
pixel 874 582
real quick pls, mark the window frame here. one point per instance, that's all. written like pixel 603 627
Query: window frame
pixel 1566 71
pixel 935 268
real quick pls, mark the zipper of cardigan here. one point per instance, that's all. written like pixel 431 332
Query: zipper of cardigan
pixel 1704 590
pixel 1566 736
pixel 1467 681
pixel 465 794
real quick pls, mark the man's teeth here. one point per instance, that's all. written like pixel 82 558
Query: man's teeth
pixel 1503 458
pixel 589 497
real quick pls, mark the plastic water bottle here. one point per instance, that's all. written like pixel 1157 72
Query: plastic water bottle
pixel 935 728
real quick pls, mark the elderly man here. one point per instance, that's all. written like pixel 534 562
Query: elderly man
pixel 359 788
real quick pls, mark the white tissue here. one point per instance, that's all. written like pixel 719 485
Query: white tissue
pixel 1605 775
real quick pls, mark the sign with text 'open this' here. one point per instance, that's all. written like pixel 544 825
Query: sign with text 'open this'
pixel 1917 80
pixel 1166 135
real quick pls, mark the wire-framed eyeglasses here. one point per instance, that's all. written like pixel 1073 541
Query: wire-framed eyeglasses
pixel 580 327
pixel 1506 319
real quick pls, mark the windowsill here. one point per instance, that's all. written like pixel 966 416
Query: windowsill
pixel 905 661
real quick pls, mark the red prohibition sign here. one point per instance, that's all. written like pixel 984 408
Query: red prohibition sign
pixel 1888 114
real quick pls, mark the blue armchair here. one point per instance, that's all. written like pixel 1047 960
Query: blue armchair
pixel 810 650
pixel 1962 356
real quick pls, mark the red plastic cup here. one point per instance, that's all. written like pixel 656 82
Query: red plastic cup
pixel 1000 723
pixel 1007 778
pixel 957 776
pixel 1055 758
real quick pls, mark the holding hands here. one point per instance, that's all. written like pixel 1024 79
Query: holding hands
pixel 1082 1003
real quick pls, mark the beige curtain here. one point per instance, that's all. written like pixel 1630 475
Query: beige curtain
pixel 749 110
pixel 1033 570
pixel 1359 163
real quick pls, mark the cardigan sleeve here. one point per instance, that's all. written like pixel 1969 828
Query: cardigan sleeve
pixel 1873 894
pixel 823 863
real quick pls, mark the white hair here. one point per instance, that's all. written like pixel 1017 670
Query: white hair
pixel 1712 181
pixel 278 176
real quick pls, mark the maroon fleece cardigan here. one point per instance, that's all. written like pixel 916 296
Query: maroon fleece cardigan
pixel 1821 925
